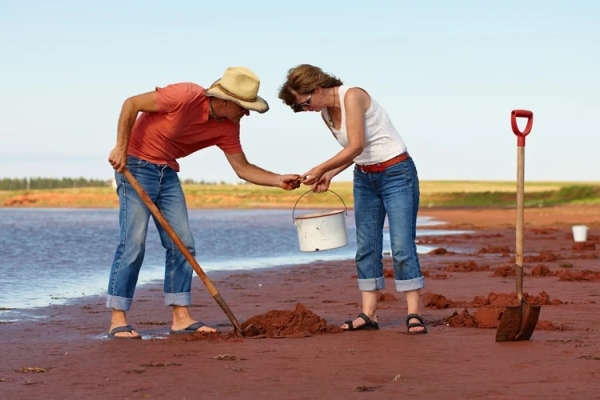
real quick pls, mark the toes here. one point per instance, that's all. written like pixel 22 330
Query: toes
pixel 348 325
pixel 132 334
pixel 206 329
pixel 415 328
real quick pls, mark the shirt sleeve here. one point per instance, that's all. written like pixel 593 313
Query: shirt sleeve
pixel 173 97
pixel 230 142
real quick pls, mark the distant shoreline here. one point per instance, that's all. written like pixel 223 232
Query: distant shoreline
pixel 434 195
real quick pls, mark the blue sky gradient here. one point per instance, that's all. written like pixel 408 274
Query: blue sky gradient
pixel 448 74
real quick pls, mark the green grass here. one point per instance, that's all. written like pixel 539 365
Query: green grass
pixel 537 196
pixel 433 194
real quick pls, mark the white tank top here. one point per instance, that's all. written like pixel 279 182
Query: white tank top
pixel 382 141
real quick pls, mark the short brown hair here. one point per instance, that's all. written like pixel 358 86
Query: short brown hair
pixel 304 79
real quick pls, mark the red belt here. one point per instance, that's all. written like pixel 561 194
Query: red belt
pixel 382 166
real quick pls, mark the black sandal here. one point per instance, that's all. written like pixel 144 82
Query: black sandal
pixel 421 323
pixel 369 324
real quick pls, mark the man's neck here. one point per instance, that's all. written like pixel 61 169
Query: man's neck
pixel 212 112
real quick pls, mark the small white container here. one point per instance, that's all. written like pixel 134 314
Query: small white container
pixel 322 231
pixel 580 233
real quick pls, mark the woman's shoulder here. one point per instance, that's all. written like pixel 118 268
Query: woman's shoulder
pixel 356 94
pixel 355 91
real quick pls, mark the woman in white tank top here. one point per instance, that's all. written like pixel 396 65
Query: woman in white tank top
pixel 385 185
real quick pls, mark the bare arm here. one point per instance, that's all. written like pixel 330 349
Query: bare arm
pixel 145 102
pixel 356 102
pixel 258 176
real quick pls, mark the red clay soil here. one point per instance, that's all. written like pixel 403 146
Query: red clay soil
pixel 299 322
pixel 293 347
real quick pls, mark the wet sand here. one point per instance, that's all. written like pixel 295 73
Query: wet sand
pixel 300 354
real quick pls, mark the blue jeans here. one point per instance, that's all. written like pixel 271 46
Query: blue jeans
pixel 163 187
pixel 395 193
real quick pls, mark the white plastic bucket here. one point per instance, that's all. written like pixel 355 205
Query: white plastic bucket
pixel 323 230
pixel 580 233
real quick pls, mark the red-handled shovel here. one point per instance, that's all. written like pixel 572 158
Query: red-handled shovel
pixel 518 322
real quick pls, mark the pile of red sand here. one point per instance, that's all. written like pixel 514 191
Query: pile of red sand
pixel 437 301
pixel 579 276
pixel 489 309
pixel 487 317
pixel 462 320
pixel 541 270
pixel 429 275
pixel 440 251
pixel 508 299
pixel 504 250
pixel 468 266
pixel 300 322
pixel 505 271
pixel 544 256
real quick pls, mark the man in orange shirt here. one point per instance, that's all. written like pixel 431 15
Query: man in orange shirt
pixel 175 121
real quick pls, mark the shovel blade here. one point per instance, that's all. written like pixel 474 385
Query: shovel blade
pixel 518 322
pixel 531 315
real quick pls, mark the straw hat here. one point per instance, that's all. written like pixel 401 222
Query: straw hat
pixel 239 85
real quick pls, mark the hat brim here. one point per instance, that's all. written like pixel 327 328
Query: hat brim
pixel 259 105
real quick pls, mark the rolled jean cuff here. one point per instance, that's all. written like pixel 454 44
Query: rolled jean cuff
pixel 371 284
pixel 410 284
pixel 118 303
pixel 178 299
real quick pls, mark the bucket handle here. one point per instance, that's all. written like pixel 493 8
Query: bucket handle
pixel 329 190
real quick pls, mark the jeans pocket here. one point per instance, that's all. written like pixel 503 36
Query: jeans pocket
pixel 134 162
pixel 397 169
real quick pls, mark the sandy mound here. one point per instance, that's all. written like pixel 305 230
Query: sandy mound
pixel 300 322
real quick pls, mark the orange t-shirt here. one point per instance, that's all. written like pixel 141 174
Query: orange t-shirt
pixel 180 127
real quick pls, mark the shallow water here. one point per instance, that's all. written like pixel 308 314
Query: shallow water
pixel 49 256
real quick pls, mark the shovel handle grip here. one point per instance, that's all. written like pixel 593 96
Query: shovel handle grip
pixel 515 127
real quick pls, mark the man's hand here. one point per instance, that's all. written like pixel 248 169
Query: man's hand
pixel 289 181
pixel 118 159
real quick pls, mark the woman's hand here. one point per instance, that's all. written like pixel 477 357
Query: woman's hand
pixel 323 184
pixel 313 176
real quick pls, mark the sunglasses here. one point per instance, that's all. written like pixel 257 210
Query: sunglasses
pixel 297 107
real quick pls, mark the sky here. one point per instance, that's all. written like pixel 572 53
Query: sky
pixel 448 73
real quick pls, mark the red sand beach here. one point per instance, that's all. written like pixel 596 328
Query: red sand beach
pixel 297 351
